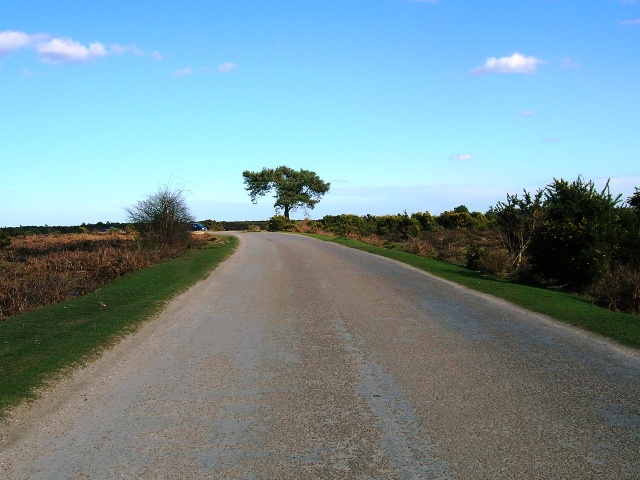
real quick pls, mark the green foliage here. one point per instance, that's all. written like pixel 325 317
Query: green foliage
pixel 162 217
pixel 461 209
pixel 634 201
pixel 462 220
pixel 5 240
pixel 577 235
pixel 427 222
pixel 293 189
pixel 473 256
pixel 400 226
pixel 344 225
pixel 280 223
pixel 212 225
pixel 517 220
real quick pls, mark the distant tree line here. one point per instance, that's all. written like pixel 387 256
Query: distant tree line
pixel 45 229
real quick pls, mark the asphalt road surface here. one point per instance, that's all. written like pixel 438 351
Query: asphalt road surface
pixel 298 358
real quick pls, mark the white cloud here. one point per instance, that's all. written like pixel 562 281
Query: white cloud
pixel 65 50
pixel 631 22
pixel 461 157
pixel 10 41
pixel 182 72
pixel 550 140
pixel 124 49
pixel 527 113
pixel 516 63
pixel 226 67
pixel 157 55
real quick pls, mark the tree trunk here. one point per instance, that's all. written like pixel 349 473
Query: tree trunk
pixel 286 212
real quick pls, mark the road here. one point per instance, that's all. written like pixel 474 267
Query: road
pixel 298 358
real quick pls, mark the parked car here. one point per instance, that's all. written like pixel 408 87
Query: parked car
pixel 197 227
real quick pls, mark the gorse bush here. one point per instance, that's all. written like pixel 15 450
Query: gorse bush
pixel 577 234
pixel 212 225
pixel 280 223
pixel 461 220
pixel 400 226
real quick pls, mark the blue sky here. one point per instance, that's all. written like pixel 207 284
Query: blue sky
pixel 401 105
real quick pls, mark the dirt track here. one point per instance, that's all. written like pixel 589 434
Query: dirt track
pixel 303 359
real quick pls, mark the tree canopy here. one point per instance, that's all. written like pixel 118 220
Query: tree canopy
pixel 293 188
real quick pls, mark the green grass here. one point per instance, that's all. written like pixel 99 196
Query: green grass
pixel 567 308
pixel 38 345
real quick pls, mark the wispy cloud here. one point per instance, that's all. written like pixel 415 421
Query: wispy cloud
pixel 516 63
pixel 226 67
pixel 630 22
pixel 461 157
pixel 63 50
pixel 124 49
pixel 568 62
pixel 528 113
pixel 550 140
pixel 183 72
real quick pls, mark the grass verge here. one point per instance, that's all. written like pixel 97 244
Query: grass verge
pixel 38 345
pixel 567 308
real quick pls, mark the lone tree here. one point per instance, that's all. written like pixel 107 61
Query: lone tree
pixel 162 217
pixel 293 189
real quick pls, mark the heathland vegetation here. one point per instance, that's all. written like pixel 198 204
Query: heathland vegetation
pixel 568 236
pixel 41 269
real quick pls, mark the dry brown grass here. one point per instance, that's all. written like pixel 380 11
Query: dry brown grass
pixel 618 289
pixel 38 270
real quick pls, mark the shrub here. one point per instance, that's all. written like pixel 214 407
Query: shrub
pixel 472 257
pixel 427 222
pixel 578 232
pixel 420 246
pixel 496 262
pixel 280 223
pixel 307 226
pixel 5 240
pixel 163 217
pixel 400 226
pixel 461 220
pixel 212 225
pixel 517 220
pixel 618 288
pixel 344 225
